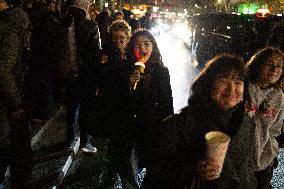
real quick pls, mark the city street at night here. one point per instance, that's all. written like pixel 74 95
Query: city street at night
pixel 149 94
pixel 56 169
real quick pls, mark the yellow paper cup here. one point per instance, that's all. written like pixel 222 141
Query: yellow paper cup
pixel 217 145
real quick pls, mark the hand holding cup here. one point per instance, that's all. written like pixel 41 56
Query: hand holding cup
pixel 208 169
pixel 216 148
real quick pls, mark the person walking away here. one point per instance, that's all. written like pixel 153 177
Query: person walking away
pixel 15 140
pixel 265 103
pixel 87 45
pixel 118 16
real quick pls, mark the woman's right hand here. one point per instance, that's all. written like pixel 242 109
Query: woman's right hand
pixel 208 169
pixel 135 77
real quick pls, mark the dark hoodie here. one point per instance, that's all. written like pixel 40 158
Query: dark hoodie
pixel 21 20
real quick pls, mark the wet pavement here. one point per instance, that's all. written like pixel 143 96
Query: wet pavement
pixel 58 167
pixel 278 177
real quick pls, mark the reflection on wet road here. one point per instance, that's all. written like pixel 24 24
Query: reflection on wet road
pixel 177 57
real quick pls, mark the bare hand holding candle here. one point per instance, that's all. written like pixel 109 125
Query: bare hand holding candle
pixel 216 148
pixel 139 66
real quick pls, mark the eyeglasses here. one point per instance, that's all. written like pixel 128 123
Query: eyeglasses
pixel 272 66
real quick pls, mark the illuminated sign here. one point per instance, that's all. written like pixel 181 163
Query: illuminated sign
pixel 250 8
pixel 262 13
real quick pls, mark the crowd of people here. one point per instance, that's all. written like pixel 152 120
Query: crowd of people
pixel 109 74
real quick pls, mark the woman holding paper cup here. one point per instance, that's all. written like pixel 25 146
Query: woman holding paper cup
pixel 208 144
pixel 151 90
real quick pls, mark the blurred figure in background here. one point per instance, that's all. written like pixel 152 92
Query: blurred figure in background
pixel 93 11
pixel 118 16
pixel 15 139
pixel 104 21
pixel 87 39
pixel 40 68
pixel 146 21
pixel 53 9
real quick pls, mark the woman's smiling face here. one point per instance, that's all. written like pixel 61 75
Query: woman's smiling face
pixel 120 39
pixel 271 71
pixel 145 47
pixel 228 90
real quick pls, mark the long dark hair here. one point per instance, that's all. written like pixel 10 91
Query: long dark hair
pixel 222 64
pixel 155 56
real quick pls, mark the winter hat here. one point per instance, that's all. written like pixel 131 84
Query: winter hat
pixel 81 4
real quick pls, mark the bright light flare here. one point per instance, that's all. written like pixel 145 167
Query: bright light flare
pixel 182 31
pixel 155 9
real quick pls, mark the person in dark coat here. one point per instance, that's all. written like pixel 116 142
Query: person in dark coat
pixel 115 99
pixel 15 140
pixel 215 104
pixel 152 98
pixel 146 21
pixel 104 21
pixel 40 72
pixel 87 40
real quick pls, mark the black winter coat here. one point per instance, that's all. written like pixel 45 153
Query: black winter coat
pixel 87 40
pixel 152 102
pixel 180 144
pixel 114 97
